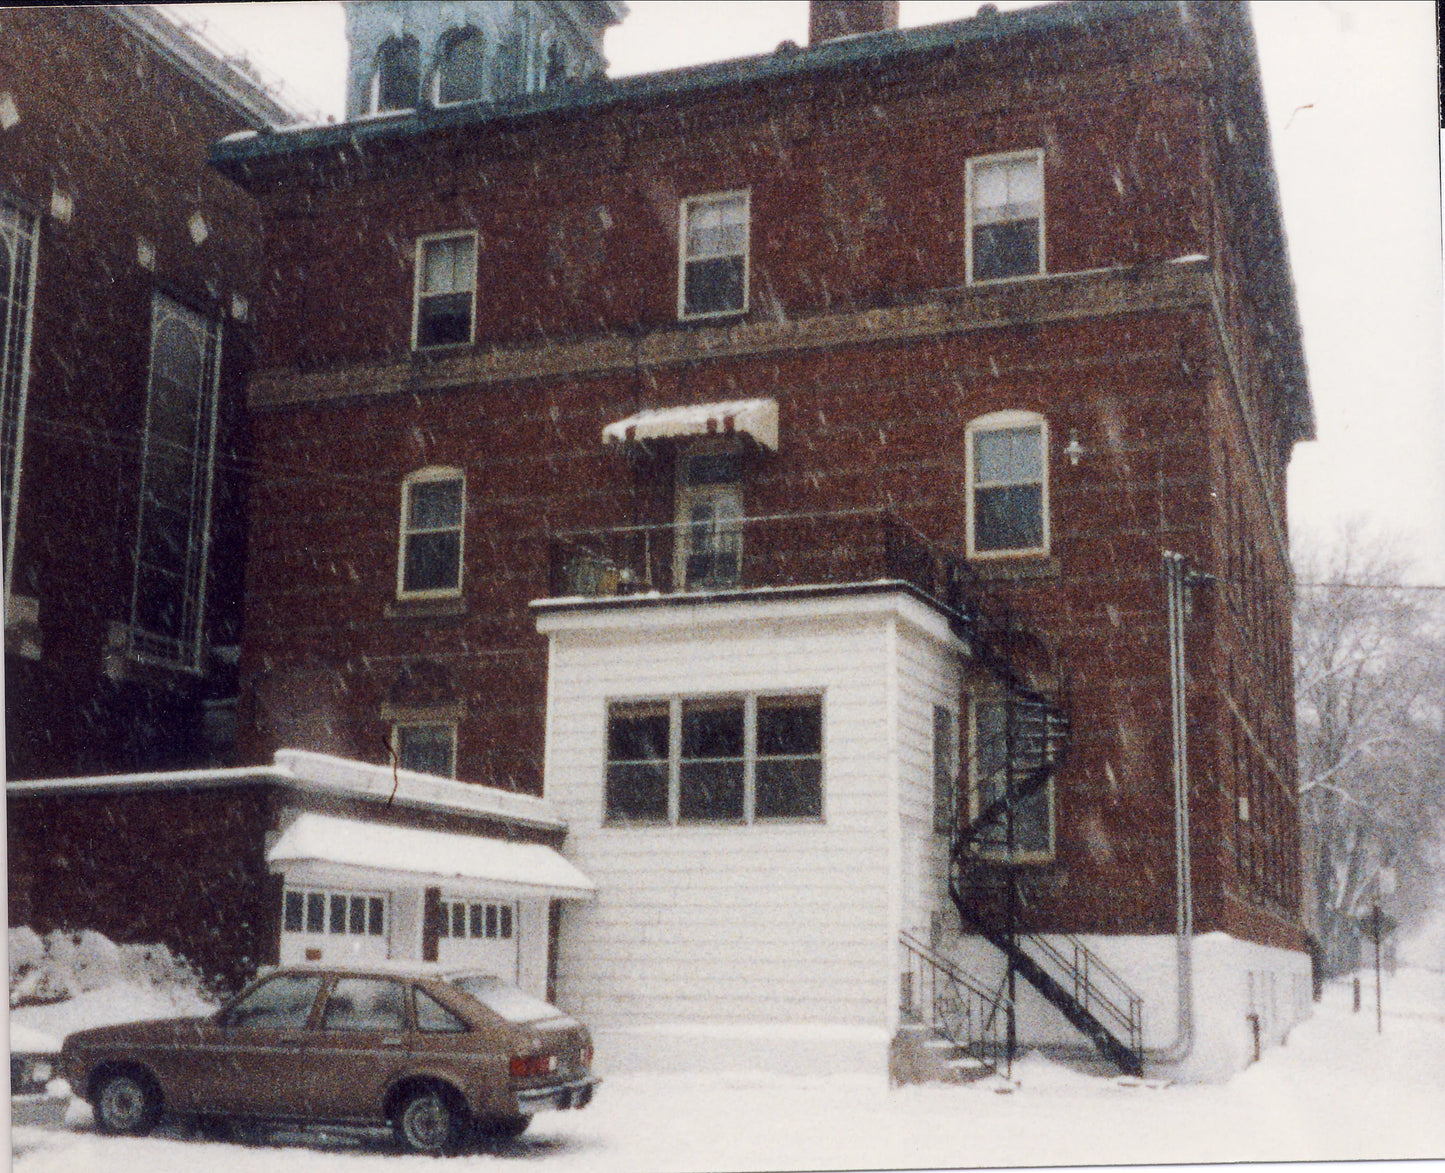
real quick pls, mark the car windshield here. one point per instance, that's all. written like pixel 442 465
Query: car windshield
pixel 511 1003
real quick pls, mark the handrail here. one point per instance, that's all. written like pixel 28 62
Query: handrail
pixel 953 1002
pixel 1083 973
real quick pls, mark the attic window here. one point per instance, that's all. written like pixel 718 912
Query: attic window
pixel 396 83
pixel 461 72
pixel 1006 216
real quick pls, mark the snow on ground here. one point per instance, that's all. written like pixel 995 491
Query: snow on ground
pixel 1335 1091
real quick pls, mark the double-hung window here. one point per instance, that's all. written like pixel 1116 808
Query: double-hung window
pixel 713 255
pixel 429 563
pixel 730 759
pixel 1007 473
pixel 1024 829
pixel 446 290
pixel 1005 216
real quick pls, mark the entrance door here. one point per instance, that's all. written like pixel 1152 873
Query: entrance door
pixel 709 521
pixel 480 934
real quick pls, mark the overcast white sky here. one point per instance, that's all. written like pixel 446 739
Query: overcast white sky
pixel 1351 94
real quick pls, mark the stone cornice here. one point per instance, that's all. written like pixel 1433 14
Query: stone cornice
pixel 1101 293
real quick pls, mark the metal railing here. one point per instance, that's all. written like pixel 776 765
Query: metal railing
pixel 1096 986
pixel 938 994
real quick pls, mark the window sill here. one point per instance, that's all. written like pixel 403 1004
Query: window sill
pixel 425 608
pixel 1016 567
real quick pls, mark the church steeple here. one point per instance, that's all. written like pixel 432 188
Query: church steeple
pixel 407 53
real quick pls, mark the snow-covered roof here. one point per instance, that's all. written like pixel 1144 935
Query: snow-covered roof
pixel 326 841
pixel 322 773
pixel 757 418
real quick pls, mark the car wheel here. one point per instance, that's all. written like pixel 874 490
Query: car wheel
pixel 426 1123
pixel 503 1127
pixel 126 1104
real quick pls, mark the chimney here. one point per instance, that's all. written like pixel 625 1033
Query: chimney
pixel 830 19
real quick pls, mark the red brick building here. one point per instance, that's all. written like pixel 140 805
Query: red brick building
pixel 127 273
pixel 889 439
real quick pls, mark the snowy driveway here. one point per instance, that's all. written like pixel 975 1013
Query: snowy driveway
pixel 1335 1092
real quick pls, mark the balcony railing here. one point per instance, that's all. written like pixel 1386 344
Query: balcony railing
pixel 752 553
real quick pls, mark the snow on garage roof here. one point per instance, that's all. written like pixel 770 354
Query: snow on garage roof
pixel 757 418
pixel 326 842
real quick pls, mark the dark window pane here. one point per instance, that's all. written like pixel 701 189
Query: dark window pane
pixel 356 924
pixel 433 1017
pixel 491 920
pixel 635 735
pixel 712 730
pixel 1008 518
pixel 944 770
pixel 506 922
pixel 426 749
pixel 461 77
pixel 434 505
pixel 433 562
pixel 295 912
pixel 376 920
pixel 789 788
pixel 1010 249
pixel 444 319
pixel 365 1004
pixel 283 1003
pixel 790 725
pixel 398 67
pixel 338 914
pixel 315 912
pixel 711 791
pixel 636 790
pixel 713 286
pixel 459 920
pixel 475 925
pixel 714 468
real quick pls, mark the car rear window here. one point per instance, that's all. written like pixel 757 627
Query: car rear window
pixel 506 1000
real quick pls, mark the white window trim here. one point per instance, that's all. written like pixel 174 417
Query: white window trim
pixel 1001 421
pixel 450 726
pixel 482 902
pixel 369 894
pixel 24 246
pixel 674 705
pixel 684 208
pixel 974 789
pixel 430 475
pixel 416 296
pixel 1004 157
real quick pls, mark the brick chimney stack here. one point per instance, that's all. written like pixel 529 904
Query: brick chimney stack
pixel 830 19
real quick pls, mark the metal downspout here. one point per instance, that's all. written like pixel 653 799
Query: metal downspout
pixel 1175 578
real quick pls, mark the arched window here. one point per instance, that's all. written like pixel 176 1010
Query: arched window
pixel 461 68
pixel 1008 484
pixel 556 66
pixel 396 83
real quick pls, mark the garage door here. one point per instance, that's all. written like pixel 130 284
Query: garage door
pixel 481 934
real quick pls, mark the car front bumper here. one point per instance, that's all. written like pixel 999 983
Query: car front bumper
pixel 575 1093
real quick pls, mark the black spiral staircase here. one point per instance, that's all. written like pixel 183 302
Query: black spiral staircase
pixel 988 883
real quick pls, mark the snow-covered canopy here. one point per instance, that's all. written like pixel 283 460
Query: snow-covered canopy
pixel 757 418
pixel 317 847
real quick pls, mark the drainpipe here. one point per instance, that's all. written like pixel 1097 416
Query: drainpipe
pixel 1177 581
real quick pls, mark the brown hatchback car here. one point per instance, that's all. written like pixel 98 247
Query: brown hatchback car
pixel 440 1056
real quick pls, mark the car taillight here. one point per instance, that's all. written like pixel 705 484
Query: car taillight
pixel 529 1066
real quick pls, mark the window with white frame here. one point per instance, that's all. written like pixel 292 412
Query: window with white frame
pixel 476 920
pixel 177 468
pixel 336 913
pixel 945 769
pixel 713 255
pixel 429 562
pixel 1005 216
pixel 728 759
pixel 446 285
pixel 396 80
pixel 19 233
pixel 1007 475
pixel 1025 830
pixel 461 68
pixel 708 552
pixel 426 748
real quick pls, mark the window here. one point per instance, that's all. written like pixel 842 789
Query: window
pixel 461 69
pixel 715 759
pixel 396 83
pixel 1026 832
pixel 177 465
pixel 462 920
pixel 446 282
pixel 365 1004
pixel 434 1018
pixel 709 549
pixel 713 255
pixel 429 564
pixel 1008 500
pixel 311 910
pixel 945 769
pixel 283 1003
pixel 18 236
pixel 427 749
pixel 1006 216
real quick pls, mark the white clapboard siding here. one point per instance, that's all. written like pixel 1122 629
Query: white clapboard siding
pixel 774 922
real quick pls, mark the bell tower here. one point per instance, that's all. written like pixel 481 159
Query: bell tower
pixel 405 54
